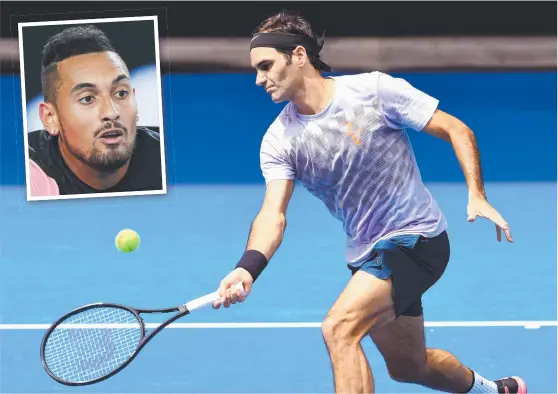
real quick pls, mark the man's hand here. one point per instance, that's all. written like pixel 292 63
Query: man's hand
pixel 228 294
pixel 478 206
pixel 462 139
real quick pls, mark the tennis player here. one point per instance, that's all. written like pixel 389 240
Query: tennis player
pixel 344 139
pixel 91 142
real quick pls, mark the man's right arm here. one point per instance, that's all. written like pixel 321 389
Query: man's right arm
pixel 266 232
pixel 267 229
pixel 266 235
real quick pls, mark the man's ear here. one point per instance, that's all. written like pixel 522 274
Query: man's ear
pixel 49 117
pixel 299 53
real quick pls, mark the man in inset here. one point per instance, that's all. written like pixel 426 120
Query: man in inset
pixel 344 139
pixel 91 142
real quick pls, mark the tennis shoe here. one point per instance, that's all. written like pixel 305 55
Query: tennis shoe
pixel 511 385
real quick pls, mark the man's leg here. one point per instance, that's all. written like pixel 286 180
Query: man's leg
pixel 402 345
pixel 364 304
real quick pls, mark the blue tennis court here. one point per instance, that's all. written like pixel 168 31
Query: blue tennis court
pixel 495 308
pixel 45 273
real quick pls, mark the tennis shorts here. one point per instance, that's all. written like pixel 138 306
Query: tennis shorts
pixel 414 262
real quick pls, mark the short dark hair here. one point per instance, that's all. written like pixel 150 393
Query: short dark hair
pixel 292 22
pixel 73 41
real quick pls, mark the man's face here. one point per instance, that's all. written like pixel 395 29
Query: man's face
pixel 96 110
pixel 278 78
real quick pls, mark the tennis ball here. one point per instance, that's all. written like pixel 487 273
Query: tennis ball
pixel 127 240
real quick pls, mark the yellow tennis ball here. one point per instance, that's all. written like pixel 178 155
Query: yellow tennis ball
pixel 127 240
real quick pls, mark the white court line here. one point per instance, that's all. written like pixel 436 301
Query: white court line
pixel 525 324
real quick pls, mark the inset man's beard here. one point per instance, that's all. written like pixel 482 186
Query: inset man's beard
pixel 107 162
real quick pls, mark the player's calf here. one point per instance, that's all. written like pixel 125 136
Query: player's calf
pixel 408 371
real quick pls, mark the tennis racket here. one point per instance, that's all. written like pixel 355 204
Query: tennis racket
pixel 96 341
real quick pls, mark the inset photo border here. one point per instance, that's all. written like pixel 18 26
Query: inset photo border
pixel 92 108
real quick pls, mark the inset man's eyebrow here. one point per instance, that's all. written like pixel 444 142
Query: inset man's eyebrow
pixel 87 85
pixel 119 78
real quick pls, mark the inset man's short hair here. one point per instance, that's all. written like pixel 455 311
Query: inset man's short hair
pixel 73 41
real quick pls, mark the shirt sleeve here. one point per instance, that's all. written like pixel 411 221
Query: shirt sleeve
pixel 273 160
pixel 41 185
pixel 404 106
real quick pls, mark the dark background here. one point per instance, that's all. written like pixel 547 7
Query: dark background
pixel 134 41
pixel 214 119
pixel 381 19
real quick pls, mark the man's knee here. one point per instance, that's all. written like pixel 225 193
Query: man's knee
pixel 365 303
pixel 345 327
pixel 339 328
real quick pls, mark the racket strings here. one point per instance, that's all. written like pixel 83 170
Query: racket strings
pixel 92 344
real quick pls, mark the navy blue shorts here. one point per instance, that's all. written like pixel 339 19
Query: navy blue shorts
pixel 414 262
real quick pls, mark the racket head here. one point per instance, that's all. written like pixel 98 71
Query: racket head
pixel 91 343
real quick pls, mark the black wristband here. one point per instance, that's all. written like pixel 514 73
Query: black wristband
pixel 254 262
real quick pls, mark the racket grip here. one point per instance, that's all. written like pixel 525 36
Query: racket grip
pixel 209 299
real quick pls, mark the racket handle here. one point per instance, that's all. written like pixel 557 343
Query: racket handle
pixel 209 299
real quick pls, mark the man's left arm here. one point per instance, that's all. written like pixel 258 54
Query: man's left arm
pixel 404 106
pixel 451 129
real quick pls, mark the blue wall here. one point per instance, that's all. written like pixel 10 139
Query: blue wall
pixel 214 125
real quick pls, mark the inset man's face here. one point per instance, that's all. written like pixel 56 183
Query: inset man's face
pixel 96 110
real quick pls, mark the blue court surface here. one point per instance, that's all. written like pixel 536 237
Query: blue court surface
pixel 495 308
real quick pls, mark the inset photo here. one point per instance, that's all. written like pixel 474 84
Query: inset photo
pixel 92 108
